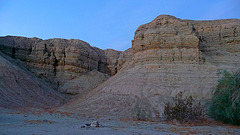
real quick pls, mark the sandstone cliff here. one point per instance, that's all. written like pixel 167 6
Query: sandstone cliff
pixel 169 55
pixel 58 61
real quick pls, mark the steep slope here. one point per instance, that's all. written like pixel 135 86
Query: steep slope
pixel 19 88
pixel 85 82
pixel 169 55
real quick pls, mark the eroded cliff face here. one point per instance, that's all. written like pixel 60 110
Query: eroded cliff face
pixel 186 54
pixel 219 41
pixel 166 40
pixel 58 61
pixel 168 55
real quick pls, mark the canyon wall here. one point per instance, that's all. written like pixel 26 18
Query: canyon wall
pixel 58 61
pixel 169 55
pixel 187 54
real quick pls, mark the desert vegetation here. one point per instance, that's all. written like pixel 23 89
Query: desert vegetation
pixel 184 109
pixel 143 114
pixel 225 103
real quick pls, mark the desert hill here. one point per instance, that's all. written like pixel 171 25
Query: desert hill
pixel 168 55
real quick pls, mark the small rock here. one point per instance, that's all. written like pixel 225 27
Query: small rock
pixel 87 125
pixel 46 121
pixel 95 124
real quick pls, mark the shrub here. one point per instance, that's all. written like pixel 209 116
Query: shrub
pixel 143 114
pixel 184 109
pixel 140 114
pixel 225 102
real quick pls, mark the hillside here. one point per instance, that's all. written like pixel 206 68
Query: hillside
pixel 169 55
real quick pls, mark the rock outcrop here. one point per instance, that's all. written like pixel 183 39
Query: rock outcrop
pixel 166 40
pixel 20 89
pixel 169 55
pixel 58 61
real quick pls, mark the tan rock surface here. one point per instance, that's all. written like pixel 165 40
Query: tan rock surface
pixel 58 61
pixel 169 55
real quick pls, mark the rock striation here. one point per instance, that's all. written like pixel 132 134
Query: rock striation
pixel 58 61
pixel 166 40
pixel 168 55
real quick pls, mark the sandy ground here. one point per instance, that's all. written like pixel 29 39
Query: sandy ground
pixel 15 123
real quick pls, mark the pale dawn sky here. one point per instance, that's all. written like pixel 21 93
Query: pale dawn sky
pixel 102 23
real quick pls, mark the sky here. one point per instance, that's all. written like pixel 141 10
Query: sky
pixel 106 24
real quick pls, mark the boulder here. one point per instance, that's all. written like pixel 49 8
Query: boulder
pixel 94 124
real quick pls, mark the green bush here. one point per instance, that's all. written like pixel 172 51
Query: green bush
pixel 225 103
pixel 184 109
pixel 140 114
pixel 143 113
